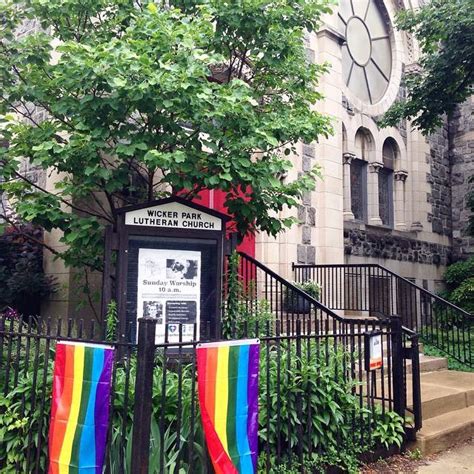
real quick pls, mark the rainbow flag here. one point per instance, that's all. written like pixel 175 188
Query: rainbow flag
pixel 228 398
pixel 80 408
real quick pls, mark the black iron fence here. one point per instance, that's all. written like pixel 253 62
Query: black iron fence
pixel 317 397
pixel 372 290
pixel 315 394
pixel 260 293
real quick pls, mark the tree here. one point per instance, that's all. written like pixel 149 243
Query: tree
pixel 143 101
pixel 444 30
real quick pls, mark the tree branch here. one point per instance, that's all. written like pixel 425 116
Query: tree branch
pixel 72 206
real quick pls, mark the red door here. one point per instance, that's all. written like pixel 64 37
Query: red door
pixel 214 199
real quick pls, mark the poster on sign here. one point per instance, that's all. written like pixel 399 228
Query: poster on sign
pixel 373 348
pixel 169 289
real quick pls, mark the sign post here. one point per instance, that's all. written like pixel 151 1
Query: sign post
pixel 170 266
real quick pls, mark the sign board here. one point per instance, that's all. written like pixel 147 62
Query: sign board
pixel 373 350
pixel 170 268
pixel 173 215
pixel 169 289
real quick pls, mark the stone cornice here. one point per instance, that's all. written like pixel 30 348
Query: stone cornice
pixel 348 157
pixel 375 166
pixel 400 175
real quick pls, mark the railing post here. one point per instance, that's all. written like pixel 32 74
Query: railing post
pixel 397 366
pixel 415 374
pixel 143 394
pixel 299 401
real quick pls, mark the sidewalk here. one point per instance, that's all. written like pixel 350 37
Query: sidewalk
pixel 457 460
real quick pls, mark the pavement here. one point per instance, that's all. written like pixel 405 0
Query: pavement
pixel 456 460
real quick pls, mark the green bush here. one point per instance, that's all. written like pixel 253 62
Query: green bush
pixel 24 420
pixel 311 287
pixel 459 279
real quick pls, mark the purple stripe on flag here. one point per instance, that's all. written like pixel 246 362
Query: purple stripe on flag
pixel 102 409
pixel 252 397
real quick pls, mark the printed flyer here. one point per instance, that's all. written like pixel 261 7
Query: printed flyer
pixel 169 289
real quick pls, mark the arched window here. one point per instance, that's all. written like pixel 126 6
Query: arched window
pixel 363 146
pixel 390 154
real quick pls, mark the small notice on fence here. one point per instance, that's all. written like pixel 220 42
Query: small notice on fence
pixel 373 347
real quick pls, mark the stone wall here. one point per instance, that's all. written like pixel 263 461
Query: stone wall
pixel 306 251
pixel 461 130
pixel 439 179
pixel 382 244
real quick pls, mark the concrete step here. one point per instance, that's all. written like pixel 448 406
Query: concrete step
pixel 441 432
pixel 429 364
pixel 444 391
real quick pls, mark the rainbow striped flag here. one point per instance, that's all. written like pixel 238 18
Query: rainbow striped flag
pixel 228 398
pixel 80 408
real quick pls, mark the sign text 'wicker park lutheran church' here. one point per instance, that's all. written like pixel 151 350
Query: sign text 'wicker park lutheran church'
pixel 174 215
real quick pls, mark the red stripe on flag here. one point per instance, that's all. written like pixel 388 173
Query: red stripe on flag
pixel 210 371
pixel 62 396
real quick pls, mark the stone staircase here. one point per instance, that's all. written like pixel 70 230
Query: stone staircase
pixel 447 406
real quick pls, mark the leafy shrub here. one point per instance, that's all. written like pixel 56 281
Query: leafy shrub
pixel 311 287
pixel 24 421
pixel 24 283
pixel 459 278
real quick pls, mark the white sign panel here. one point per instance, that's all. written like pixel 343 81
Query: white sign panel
pixel 375 352
pixel 173 215
pixel 169 289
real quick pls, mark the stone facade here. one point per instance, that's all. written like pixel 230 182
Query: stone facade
pixel 306 251
pixel 461 131
pixel 394 246
pixel 439 178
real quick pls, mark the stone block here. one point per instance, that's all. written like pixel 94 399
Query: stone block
pixel 301 253
pixel 307 198
pixel 301 216
pixel 308 150
pixel 306 235
pixel 306 163
pixel 311 216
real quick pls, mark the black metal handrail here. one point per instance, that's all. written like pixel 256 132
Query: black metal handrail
pixel 295 266
pixel 291 286
pixel 317 317
pixel 374 290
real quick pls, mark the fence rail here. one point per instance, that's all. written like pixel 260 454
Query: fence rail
pixel 298 418
pixel 373 290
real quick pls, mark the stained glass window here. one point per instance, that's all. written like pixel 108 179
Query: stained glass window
pixel 390 153
pixel 386 196
pixel 359 189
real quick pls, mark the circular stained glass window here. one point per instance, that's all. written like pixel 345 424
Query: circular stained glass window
pixel 366 52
